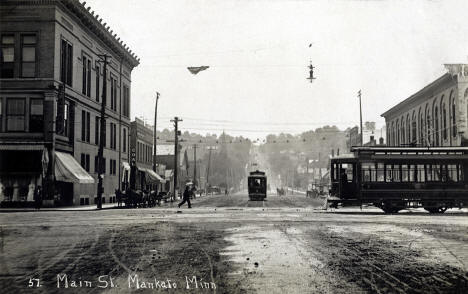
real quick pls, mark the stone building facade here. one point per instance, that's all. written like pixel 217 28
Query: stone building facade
pixel 51 79
pixel 434 116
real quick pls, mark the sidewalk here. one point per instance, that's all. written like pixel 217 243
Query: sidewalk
pixel 63 208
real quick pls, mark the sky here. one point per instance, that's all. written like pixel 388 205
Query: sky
pixel 258 54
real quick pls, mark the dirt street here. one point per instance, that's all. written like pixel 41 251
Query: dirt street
pixel 226 244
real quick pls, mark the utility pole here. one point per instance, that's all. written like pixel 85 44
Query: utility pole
pixel 360 116
pixel 102 136
pixel 195 164
pixel 208 170
pixel 154 130
pixel 176 121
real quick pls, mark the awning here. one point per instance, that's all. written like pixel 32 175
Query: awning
pixel 67 169
pixel 153 177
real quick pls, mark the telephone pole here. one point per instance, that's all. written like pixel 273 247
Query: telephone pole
pixel 360 115
pixel 195 164
pixel 176 121
pixel 208 170
pixel 154 130
pixel 102 135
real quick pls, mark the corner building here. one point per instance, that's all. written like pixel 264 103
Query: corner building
pixel 51 79
pixel 434 116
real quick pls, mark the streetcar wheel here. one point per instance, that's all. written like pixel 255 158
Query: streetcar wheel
pixel 389 207
pixel 436 209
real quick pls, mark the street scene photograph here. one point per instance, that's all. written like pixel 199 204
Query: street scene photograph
pixel 234 146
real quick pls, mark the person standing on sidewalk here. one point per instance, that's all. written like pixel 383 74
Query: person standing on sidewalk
pixel 38 197
pixel 186 197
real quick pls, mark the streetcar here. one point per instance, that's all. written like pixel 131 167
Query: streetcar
pixel 257 185
pixel 395 178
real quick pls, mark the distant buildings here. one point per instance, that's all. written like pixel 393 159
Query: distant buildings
pixel 372 136
pixel 142 176
pixel 434 116
pixel 51 82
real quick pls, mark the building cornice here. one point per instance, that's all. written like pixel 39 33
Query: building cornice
pixel 429 89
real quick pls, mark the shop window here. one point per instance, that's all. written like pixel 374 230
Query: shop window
pixel 28 56
pixel 15 114
pixel 36 116
pixel 7 56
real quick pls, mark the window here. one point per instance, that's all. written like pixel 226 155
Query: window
pixel 7 56
pixel 28 56
pixel 124 135
pixel 98 81
pixel 436 126
pixel 126 101
pixel 85 126
pixel 113 94
pixel 66 62
pixel 36 116
pixel 1 115
pixel 86 87
pixel 454 117
pixel 113 137
pixel 112 167
pixel 444 120
pixel 66 120
pixel 85 161
pixel 15 114
pixel 96 130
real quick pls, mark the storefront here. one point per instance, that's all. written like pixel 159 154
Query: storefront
pixel 20 174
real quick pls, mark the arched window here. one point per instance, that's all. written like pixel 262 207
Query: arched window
pixel 454 115
pixel 428 125
pixel 397 141
pixel 402 125
pixel 392 134
pixel 443 115
pixel 408 129
pixel 436 126
pixel 413 127
pixel 421 126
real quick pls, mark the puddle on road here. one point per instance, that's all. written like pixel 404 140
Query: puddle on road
pixel 274 261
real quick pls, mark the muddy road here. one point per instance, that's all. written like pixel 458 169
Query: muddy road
pixel 226 244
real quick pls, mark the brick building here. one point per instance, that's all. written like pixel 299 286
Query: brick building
pixel 434 116
pixel 51 81
pixel 142 176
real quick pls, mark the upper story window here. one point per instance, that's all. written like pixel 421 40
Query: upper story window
pixel 66 62
pixel 85 126
pixel 98 81
pixel 7 56
pixel 113 101
pixel 126 101
pixel 28 56
pixel 15 114
pixel 36 115
pixel 86 89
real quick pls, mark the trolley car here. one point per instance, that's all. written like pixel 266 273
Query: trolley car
pixel 257 184
pixel 395 178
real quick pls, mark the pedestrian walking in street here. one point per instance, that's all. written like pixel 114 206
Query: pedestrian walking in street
pixel 186 197
pixel 38 197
